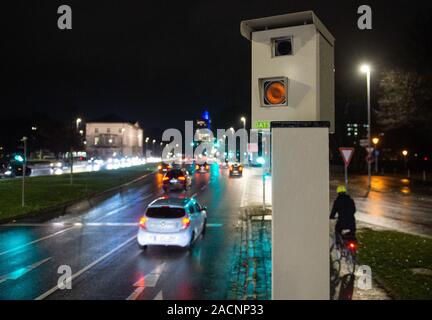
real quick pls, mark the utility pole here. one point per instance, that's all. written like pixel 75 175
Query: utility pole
pixel 24 140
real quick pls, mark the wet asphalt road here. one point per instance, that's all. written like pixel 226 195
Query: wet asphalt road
pixel 106 262
pixel 394 202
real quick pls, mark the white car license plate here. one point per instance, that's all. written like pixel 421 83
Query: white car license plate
pixel 173 180
pixel 164 238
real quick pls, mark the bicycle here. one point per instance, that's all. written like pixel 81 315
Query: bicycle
pixel 344 247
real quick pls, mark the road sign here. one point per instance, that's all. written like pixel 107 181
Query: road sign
pixel 369 158
pixel 369 150
pixel 262 125
pixel 377 153
pixel 346 154
pixel 363 142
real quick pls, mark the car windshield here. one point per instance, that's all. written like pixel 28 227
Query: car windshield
pixel 165 212
pixel 175 174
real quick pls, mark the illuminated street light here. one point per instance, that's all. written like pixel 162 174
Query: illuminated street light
pixel 78 121
pixel 375 141
pixel 405 153
pixel 365 68
pixel 243 119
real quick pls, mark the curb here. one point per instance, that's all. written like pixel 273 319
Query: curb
pixel 76 206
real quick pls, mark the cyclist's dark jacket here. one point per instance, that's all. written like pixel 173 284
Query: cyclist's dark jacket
pixel 345 208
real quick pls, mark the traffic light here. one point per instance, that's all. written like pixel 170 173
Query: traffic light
pixel 274 92
pixel 18 158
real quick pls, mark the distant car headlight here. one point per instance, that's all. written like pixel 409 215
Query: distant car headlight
pixel 8 172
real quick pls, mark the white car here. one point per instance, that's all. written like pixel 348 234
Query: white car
pixel 172 222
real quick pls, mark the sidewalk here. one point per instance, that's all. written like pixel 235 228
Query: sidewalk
pixel 252 271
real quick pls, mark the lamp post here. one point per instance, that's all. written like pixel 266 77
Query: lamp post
pixel 375 141
pixel 146 148
pixel 366 69
pixel 78 121
pixel 405 154
pixel 24 165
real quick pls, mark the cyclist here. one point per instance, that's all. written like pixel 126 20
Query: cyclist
pixel 345 209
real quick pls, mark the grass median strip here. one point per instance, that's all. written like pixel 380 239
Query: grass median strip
pixel 401 262
pixel 47 191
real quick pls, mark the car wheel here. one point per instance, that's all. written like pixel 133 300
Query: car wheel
pixel 191 243
pixel 143 247
pixel 204 227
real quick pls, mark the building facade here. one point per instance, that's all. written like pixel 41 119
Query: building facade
pixel 113 139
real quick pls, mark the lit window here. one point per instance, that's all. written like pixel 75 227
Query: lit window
pixel 96 140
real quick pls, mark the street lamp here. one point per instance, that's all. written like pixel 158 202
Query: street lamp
pixel 24 165
pixel 405 154
pixel 78 121
pixel 375 141
pixel 154 141
pixel 146 148
pixel 366 69
pixel 243 119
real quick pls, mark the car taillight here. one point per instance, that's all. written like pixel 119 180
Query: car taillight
pixel 142 222
pixel 352 246
pixel 169 167
pixel 197 167
pixel 240 168
pixel 207 167
pixel 185 222
pixel 231 168
pixel 159 167
pixel 182 178
pixel 165 178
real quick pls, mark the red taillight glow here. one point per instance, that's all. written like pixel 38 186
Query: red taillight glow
pixel 352 246
pixel 240 168
pixel 165 178
pixel 207 167
pixel 142 222
pixel 185 222
pixel 182 178
pixel 231 168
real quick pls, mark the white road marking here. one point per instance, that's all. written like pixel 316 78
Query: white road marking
pixel 148 281
pixel 86 268
pixel 137 292
pixel 22 271
pixel 35 241
pixel 159 296
pixel 214 225
pixel 76 224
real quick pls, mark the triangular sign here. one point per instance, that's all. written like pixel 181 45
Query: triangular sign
pixel 346 154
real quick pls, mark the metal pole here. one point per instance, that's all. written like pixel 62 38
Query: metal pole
pixel 346 177
pixel 264 208
pixel 376 163
pixel 24 172
pixel 369 127
pixel 71 166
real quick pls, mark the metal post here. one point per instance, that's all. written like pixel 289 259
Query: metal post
pixel 71 165
pixel 24 139
pixel 346 176
pixel 376 163
pixel 264 207
pixel 369 126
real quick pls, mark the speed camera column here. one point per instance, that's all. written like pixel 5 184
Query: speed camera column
pixel 292 102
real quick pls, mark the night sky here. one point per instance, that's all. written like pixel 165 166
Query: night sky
pixel 162 62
